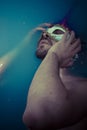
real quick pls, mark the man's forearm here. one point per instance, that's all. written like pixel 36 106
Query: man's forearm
pixel 47 75
pixel 47 90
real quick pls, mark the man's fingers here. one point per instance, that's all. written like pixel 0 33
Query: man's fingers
pixel 75 51
pixel 76 44
pixel 40 29
pixel 67 61
pixel 70 63
pixel 45 25
pixel 71 38
pixel 48 24
pixel 64 38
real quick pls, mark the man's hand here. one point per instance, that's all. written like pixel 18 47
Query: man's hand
pixel 41 27
pixel 66 49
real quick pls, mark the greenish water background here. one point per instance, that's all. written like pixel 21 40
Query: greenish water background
pixel 17 18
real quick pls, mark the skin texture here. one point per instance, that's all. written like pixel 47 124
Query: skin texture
pixel 57 100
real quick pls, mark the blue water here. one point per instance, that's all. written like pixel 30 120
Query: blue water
pixel 17 18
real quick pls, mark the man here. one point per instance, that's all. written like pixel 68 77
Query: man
pixel 56 99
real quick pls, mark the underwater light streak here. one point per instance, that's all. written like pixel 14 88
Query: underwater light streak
pixel 9 57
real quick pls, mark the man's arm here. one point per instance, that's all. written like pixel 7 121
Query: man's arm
pixel 48 104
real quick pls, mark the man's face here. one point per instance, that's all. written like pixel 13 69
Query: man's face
pixel 46 41
pixel 44 44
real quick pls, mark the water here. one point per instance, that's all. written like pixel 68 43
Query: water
pixel 17 18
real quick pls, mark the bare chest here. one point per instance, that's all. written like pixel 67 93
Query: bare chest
pixel 77 89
